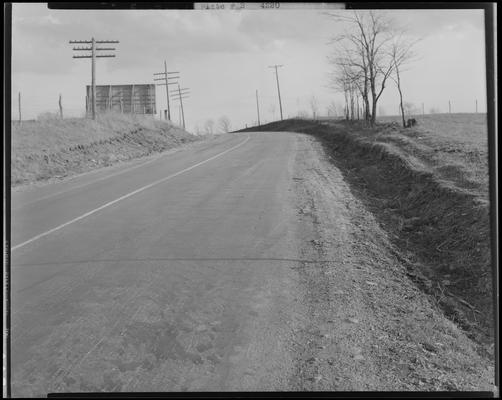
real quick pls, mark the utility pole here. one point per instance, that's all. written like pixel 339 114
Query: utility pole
pixel 278 89
pixel 93 49
pixel 449 107
pixel 257 107
pixel 423 109
pixel 183 93
pixel 476 106
pixel 60 107
pixel 164 76
pixel 181 103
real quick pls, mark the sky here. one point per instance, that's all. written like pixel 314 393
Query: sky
pixel 224 56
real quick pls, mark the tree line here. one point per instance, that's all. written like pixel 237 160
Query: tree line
pixel 369 53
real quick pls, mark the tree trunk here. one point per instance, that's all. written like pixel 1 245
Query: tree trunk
pixel 373 111
pixel 400 95
pixel 373 99
pixel 346 105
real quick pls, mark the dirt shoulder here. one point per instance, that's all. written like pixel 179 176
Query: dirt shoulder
pixel 440 229
pixel 370 326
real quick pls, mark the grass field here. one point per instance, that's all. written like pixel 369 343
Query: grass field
pixel 48 148
pixel 453 146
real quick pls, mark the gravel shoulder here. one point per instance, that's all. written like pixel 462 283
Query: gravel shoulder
pixel 370 327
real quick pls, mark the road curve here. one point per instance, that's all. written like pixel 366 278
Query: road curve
pixel 178 274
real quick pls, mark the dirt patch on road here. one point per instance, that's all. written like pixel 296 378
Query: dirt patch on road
pixel 371 327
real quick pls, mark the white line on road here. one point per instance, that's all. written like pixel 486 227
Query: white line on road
pixel 87 183
pixel 120 172
pixel 126 196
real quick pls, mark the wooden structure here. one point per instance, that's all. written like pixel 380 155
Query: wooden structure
pixel 129 99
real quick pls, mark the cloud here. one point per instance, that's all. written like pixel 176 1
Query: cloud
pixel 223 55
pixel 40 36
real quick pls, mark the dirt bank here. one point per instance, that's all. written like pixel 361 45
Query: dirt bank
pixel 369 326
pixel 42 150
pixel 439 230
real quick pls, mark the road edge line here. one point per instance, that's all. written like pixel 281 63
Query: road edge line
pixel 141 189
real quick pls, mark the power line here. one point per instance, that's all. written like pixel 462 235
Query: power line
pixel 93 49
pixel 183 92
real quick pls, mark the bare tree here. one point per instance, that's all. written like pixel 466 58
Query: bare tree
pixel 209 127
pixel 224 124
pixel 401 52
pixel 362 58
pixel 303 114
pixel 332 109
pixel 344 80
pixel 409 109
pixel 314 106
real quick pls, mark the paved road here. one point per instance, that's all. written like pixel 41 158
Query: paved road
pixel 176 274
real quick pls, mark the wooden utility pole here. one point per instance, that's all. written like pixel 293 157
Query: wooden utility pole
pixel 476 106
pixel 257 108
pixel 93 79
pixel 60 107
pixel 19 105
pixel 449 107
pixel 167 90
pixel 278 89
pixel 181 104
pixel 164 76
pixel 93 49
pixel 183 93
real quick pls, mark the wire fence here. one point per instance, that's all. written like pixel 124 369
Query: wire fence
pixel 31 106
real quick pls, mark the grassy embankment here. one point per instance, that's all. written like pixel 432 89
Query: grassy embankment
pixel 428 187
pixel 60 147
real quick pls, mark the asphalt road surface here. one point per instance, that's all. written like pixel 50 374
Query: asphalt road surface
pixel 174 274
pixel 238 263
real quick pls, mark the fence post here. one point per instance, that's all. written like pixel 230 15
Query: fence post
pixel 60 107
pixel 19 105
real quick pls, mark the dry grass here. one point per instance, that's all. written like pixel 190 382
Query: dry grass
pixel 53 134
pixel 50 148
pixel 465 129
pixel 453 146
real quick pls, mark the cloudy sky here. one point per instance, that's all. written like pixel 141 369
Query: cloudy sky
pixel 224 56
